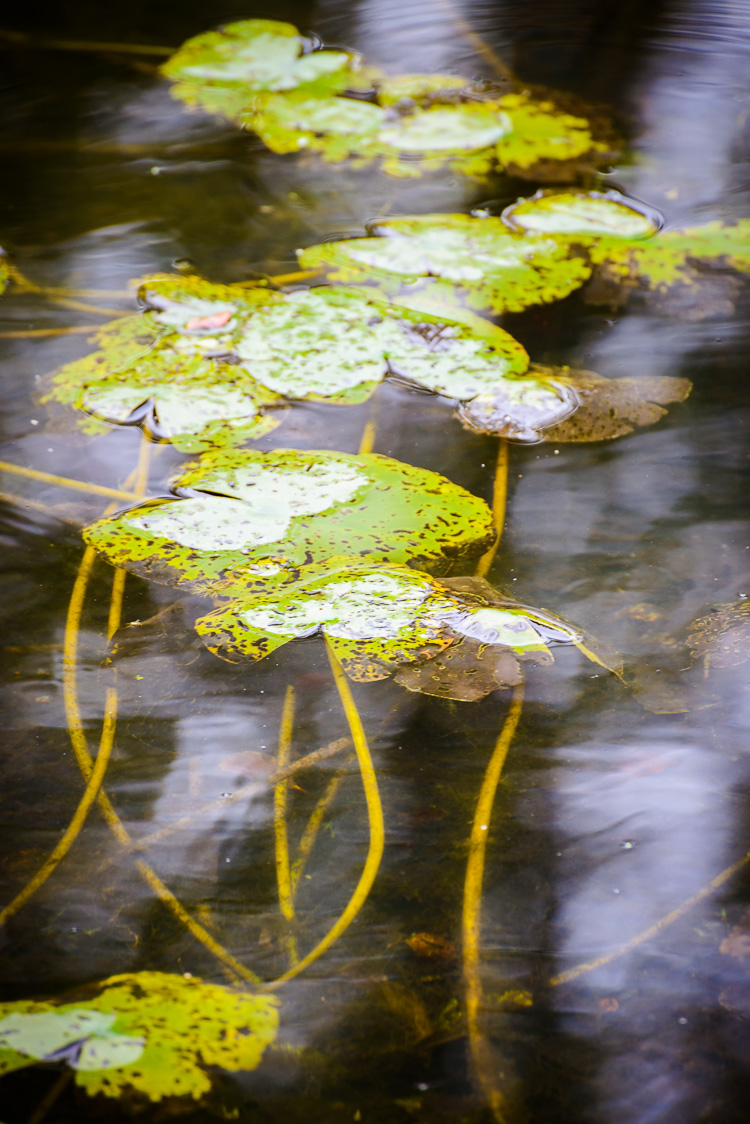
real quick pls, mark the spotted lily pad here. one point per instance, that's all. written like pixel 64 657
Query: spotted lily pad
pixel 253 519
pixel 693 273
pixel 221 70
pixel 722 639
pixel 604 214
pixel 559 405
pixel 382 619
pixel 147 1032
pixel 497 268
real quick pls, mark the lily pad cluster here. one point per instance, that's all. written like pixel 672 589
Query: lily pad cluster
pixel 267 77
pixel 296 544
pixel 148 1033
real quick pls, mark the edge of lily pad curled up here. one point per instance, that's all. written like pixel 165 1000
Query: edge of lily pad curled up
pixel 590 214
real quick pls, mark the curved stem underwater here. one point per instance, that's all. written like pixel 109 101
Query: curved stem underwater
pixel 485 1064
pixel 375 819
pixel 499 504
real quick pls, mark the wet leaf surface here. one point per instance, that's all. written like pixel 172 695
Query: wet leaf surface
pixel 205 364
pixel 252 55
pixel 253 518
pixel 147 1032
pixel 606 214
pixel 497 268
pixel 379 620
pixel 606 408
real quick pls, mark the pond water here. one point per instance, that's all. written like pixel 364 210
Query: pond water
pixel 618 804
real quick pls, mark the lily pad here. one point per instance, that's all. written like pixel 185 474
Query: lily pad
pixel 722 638
pixel 147 1032
pixel 497 268
pixel 599 408
pixel 379 619
pixel 250 519
pixel 693 273
pixel 221 70
pixel 144 373
pixel 606 214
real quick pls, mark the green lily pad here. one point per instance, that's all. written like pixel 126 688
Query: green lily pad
pixel 148 1032
pixel 410 90
pixel 592 213
pixel 251 519
pixel 146 374
pixel 598 409
pixel 334 127
pixel 221 70
pixel 548 140
pixel 380 619
pixel 497 268
pixel 693 273
pixel 722 638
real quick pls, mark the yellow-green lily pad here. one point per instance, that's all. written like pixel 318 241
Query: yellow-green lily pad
pixel 604 214
pixel 382 619
pixel 251 519
pixel 496 268
pixel 148 1033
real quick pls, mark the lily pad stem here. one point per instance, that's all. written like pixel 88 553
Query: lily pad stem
pixel 490 1078
pixel 281 839
pixel 66 482
pixel 375 819
pixel 499 504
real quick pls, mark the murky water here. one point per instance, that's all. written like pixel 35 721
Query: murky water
pixel 617 804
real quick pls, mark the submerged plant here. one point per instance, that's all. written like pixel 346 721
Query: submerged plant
pixel 149 1033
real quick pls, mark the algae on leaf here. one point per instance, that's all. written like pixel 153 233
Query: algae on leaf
pixel 252 520
pixel 598 408
pixel 150 1033
pixel 497 268
pixel 386 619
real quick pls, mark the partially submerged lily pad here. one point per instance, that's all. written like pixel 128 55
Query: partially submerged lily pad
pixel 147 1032
pixel 496 267
pixel 593 408
pixel 604 214
pixel 252 519
pixel 693 273
pixel 380 620
pixel 722 639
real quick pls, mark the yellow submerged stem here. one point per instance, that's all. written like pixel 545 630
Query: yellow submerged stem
pixel 485 1064
pixel 312 830
pixel 84 759
pixel 655 929
pixel 41 44
pixel 30 333
pixel 281 838
pixel 375 819
pixel 67 482
pixel 73 829
pixel 499 504
pixel 290 278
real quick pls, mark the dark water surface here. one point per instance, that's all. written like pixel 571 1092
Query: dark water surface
pixel 616 804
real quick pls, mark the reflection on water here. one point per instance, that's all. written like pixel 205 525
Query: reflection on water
pixel 618 803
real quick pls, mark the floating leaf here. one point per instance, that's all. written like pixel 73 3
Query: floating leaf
pixel 220 70
pixel 252 518
pixel 723 637
pixel 378 619
pixel 606 214
pixel 546 136
pixel 693 273
pixel 496 267
pixel 149 1032
pixel 598 409
pixel 143 374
